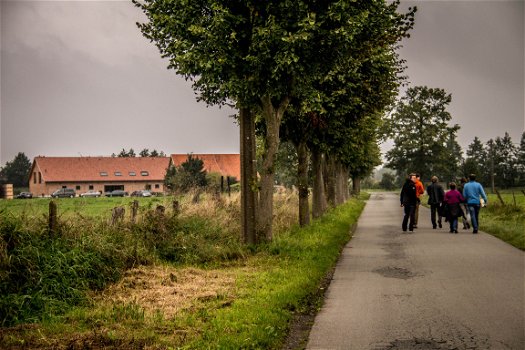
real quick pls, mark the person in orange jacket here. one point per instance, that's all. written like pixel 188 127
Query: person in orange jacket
pixel 420 190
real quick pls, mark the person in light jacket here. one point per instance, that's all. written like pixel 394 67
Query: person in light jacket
pixel 473 191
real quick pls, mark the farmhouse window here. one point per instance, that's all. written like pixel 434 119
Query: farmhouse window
pixel 90 187
pixel 39 177
pixel 34 178
pixel 157 186
pixel 144 173
pixel 132 173
pixel 148 187
pixel 118 173
pixel 78 188
pixel 103 173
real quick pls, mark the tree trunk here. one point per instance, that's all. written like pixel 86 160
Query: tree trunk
pixel 248 175
pixel 302 184
pixel 346 177
pixel 356 185
pixel 330 180
pixel 272 117
pixel 319 204
pixel 340 197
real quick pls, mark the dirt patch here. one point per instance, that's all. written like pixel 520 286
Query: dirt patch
pixel 395 272
pixel 169 290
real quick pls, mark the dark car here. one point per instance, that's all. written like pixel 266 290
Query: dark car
pixel 64 193
pixel 24 195
pixel 117 193
pixel 141 193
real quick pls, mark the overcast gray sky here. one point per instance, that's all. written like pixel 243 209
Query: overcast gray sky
pixel 78 78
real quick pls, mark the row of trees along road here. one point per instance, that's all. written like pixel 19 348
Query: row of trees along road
pixel 318 73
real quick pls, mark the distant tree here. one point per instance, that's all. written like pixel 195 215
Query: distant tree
pixel 188 175
pixel 419 127
pixel 154 153
pixel 520 161
pixel 475 161
pixel 16 172
pixel 170 177
pixel 144 153
pixel 388 182
pixel 449 166
pixel 504 154
pixel 127 154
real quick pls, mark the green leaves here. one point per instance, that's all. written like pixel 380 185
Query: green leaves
pixel 423 139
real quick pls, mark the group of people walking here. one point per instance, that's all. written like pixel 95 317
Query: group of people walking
pixel 463 200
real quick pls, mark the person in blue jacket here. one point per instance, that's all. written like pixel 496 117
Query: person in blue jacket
pixel 473 191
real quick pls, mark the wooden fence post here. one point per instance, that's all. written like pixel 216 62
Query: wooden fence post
pixel 117 214
pixel 134 210
pixel 52 225
pixel 176 208
pixel 160 210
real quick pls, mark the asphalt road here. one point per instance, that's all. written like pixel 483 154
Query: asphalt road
pixel 427 290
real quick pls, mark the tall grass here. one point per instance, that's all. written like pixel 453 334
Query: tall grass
pixel 256 294
pixel 505 221
pixel 43 275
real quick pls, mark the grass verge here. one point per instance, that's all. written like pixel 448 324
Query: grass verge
pixel 505 221
pixel 232 301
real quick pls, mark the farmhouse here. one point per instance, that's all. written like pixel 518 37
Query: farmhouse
pixel 102 174
pixel 224 164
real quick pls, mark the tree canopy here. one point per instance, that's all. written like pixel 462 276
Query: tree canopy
pixel 262 55
pixel 16 171
pixel 419 127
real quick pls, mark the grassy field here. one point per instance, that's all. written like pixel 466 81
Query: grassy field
pixel 71 207
pixel 168 282
pixel 505 221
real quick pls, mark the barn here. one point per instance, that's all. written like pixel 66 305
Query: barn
pixel 102 174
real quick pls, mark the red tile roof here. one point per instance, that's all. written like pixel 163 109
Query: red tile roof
pixel 80 169
pixel 224 164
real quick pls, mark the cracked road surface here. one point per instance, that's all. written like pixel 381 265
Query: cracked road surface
pixel 426 290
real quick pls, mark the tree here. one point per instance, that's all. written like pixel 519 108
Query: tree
pixel 388 181
pixel 189 175
pixel 475 162
pixel 16 172
pixel 520 161
pixel 504 157
pixel 420 131
pixel 260 55
pixel 126 154
pixel 449 166
pixel 144 153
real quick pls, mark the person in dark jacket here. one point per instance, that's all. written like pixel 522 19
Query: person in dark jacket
pixel 408 198
pixel 452 200
pixel 436 195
